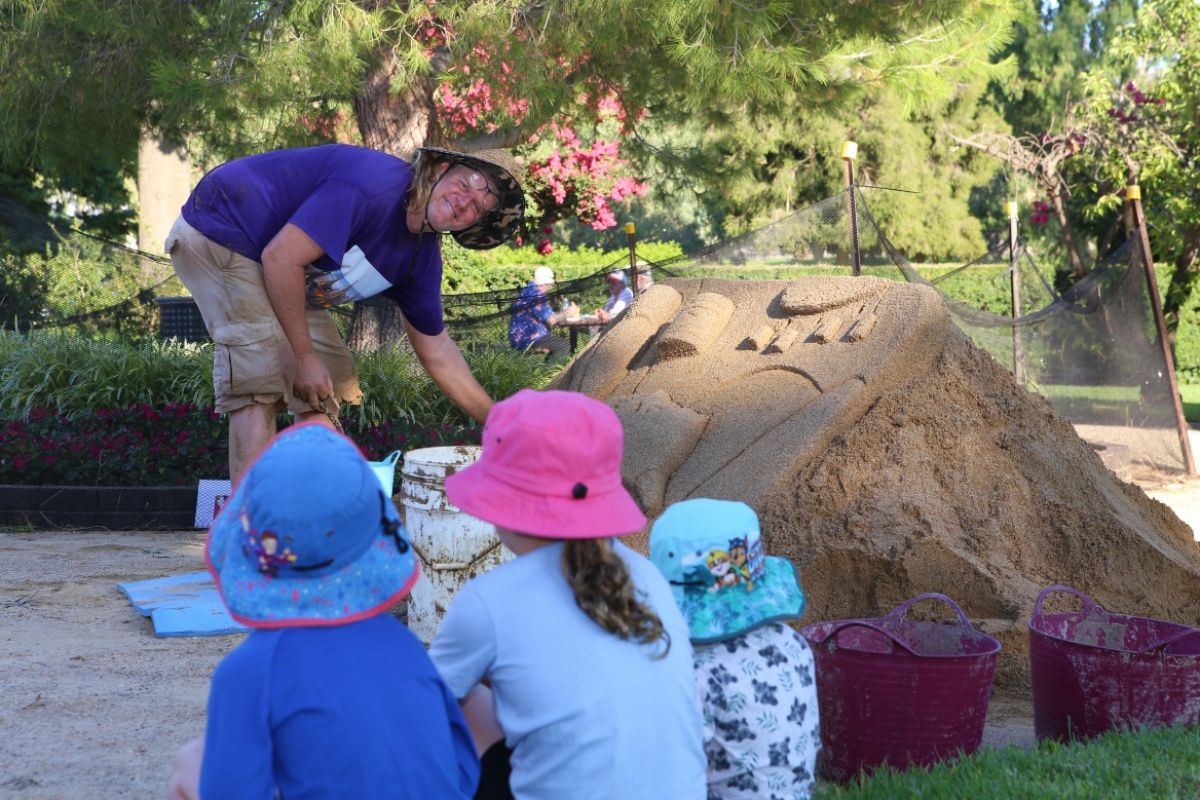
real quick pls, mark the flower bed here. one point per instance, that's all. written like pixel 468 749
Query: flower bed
pixel 175 445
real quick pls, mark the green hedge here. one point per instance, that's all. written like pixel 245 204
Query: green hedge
pixel 507 267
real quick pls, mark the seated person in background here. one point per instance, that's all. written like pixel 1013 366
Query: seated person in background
pixel 644 279
pixel 329 695
pixel 532 316
pixel 619 296
pixel 750 666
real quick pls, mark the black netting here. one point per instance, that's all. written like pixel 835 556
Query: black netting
pixel 55 278
pixel 1092 350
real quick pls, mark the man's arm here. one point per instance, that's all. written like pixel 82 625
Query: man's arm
pixel 284 259
pixel 444 362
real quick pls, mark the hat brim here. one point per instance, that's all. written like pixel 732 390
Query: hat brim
pixel 500 224
pixel 715 616
pixel 363 588
pixel 597 515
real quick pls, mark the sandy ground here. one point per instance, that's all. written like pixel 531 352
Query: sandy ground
pixel 92 705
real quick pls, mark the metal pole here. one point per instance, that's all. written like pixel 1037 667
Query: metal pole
pixel 631 240
pixel 849 153
pixel 1014 280
pixel 1133 195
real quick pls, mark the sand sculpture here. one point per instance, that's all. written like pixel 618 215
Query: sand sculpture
pixel 886 455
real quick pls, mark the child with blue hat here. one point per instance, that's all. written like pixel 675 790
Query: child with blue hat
pixel 328 696
pixel 754 674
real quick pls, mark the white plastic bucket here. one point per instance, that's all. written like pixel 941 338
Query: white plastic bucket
pixel 386 471
pixel 453 546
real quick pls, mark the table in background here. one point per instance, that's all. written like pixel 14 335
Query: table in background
pixel 574 324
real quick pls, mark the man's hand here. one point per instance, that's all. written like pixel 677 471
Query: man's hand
pixel 312 382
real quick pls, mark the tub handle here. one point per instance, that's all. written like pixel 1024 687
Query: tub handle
pixel 455 566
pixel 898 613
pixel 391 458
pixel 430 501
pixel 1089 605
pixel 886 630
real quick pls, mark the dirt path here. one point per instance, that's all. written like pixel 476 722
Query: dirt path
pixel 92 704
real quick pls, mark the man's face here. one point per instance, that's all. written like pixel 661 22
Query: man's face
pixel 614 286
pixel 461 198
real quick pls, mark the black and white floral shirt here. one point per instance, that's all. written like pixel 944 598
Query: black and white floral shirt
pixel 760 715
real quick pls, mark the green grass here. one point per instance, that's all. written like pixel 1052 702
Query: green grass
pixel 1116 396
pixel 1158 764
pixel 1190 394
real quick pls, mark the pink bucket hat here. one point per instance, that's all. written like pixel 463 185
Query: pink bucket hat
pixel 550 467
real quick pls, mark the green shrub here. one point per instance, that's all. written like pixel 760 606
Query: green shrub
pixel 76 376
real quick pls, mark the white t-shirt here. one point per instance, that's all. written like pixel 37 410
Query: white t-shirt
pixel 588 715
pixel 616 304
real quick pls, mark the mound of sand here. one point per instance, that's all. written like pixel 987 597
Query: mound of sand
pixel 885 454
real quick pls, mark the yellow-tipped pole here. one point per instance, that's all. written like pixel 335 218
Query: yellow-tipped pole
pixel 1133 196
pixel 630 231
pixel 1014 286
pixel 849 153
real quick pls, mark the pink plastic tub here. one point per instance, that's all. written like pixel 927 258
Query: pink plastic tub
pixel 901 692
pixel 1094 671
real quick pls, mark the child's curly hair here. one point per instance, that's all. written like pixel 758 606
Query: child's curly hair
pixel 604 591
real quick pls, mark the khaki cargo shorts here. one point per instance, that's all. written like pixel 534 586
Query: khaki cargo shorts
pixel 252 360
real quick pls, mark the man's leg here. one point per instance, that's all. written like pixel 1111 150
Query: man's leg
pixel 319 417
pixel 250 428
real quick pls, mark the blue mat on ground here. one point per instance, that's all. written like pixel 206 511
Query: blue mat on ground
pixel 181 605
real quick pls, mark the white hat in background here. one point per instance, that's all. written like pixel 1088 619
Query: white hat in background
pixel 543 276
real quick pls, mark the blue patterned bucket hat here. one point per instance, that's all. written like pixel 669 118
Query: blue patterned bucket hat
pixel 308 537
pixel 712 554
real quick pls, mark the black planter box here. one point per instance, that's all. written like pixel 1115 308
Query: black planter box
pixel 106 507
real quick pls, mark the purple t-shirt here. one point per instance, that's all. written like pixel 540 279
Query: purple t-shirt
pixel 351 201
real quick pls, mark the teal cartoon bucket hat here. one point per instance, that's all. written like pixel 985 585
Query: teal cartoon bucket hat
pixel 711 553
pixel 309 537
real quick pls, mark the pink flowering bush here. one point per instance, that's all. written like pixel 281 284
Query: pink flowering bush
pixel 1041 212
pixel 175 445
pixel 575 169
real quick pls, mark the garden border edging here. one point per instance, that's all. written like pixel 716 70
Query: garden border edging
pixel 103 507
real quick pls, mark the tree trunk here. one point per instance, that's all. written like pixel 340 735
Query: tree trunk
pixel 374 325
pixel 396 122
pixel 1078 262
pixel 1183 276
